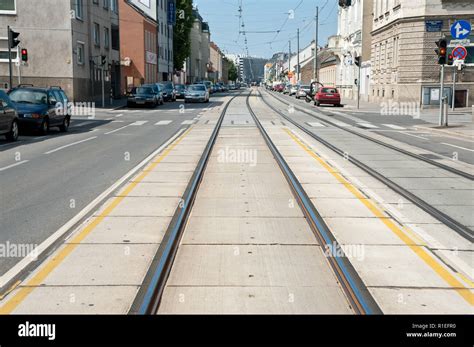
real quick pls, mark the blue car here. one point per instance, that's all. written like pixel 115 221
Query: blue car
pixel 38 108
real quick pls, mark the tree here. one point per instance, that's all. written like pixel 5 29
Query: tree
pixel 182 31
pixel 233 75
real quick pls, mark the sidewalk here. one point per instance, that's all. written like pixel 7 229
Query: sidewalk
pixel 460 120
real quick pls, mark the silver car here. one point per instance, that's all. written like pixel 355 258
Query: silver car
pixel 302 91
pixel 196 93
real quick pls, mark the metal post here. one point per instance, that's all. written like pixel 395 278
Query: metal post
pixel 19 71
pixel 441 94
pixel 358 87
pixel 103 86
pixel 298 58
pixel 446 110
pixel 315 66
pixel 289 58
pixel 10 58
pixel 454 88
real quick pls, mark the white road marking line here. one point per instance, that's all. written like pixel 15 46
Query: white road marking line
pixel 119 115
pixel 418 137
pixel 114 131
pixel 23 263
pixel 368 125
pixel 466 149
pixel 13 165
pixel 71 144
pixel 140 122
pixel 82 124
pixel 118 121
pixel 164 122
pixel 315 124
pixel 341 124
pixel 187 122
pixel 396 127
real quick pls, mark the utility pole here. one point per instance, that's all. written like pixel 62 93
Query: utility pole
pixel 454 88
pixel 289 59
pixel 315 66
pixel 441 97
pixel 298 58
pixel 10 58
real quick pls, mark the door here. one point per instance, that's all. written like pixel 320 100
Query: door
pixel 460 98
pixel 7 114
pixel 55 117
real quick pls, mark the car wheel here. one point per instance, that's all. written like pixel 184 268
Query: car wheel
pixel 65 126
pixel 44 127
pixel 13 134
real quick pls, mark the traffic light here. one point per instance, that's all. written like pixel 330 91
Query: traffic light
pixel 357 61
pixel 450 59
pixel 442 50
pixel 103 60
pixel 24 55
pixel 13 38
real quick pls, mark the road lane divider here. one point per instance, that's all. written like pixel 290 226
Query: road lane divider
pixel 14 165
pixel 70 145
pixel 419 250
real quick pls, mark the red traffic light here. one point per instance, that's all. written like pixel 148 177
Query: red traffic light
pixel 442 51
pixel 24 54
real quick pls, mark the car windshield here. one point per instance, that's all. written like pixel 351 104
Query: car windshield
pixel 142 90
pixel 168 86
pixel 328 90
pixel 180 87
pixel 304 87
pixel 198 88
pixel 24 96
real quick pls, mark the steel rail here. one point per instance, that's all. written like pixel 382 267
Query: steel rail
pixel 458 227
pixel 379 142
pixel 355 289
pixel 149 296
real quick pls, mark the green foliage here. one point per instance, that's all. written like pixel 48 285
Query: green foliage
pixel 233 74
pixel 182 30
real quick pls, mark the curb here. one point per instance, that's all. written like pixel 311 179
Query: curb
pixel 445 131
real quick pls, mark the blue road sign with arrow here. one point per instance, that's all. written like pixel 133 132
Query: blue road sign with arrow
pixel 460 29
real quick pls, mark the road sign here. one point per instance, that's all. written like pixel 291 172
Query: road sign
pixel 434 25
pixel 460 29
pixel 459 53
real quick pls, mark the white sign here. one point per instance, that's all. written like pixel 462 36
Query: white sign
pixel 434 94
pixel 151 58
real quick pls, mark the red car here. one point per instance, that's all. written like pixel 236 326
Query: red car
pixel 279 88
pixel 327 95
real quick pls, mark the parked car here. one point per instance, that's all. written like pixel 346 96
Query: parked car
pixel 279 88
pixel 41 108
pixel 180 90
pixel 143 95
pixel 293 90
pixel 302 91
pixel 208 85
pixel 8 118
pixel 197 93
pixel 286 89
pixel 327 95
pixel 169 92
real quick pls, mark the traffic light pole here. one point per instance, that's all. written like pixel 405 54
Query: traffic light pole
pixel 103 86
pixel 10 86
pixel 358 87
pixel 454 88
pixel 441 97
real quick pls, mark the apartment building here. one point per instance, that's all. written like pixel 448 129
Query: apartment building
pixel 198 63
pixel 404 63
pixel 217 61
pixel 64 45
pixel 165 23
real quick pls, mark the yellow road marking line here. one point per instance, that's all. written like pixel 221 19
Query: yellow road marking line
pixel 418 249
pixel 465 279
pixel 52 264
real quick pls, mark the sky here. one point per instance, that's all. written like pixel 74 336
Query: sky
pixel 268 16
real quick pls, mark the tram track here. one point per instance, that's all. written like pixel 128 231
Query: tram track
pixel 149 297
pixel 442 217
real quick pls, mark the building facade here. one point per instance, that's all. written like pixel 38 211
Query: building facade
pixel 198 63
pixel 83 32
pixel 404 63
pixel 217 61
pixel 165 39
pixel 139 43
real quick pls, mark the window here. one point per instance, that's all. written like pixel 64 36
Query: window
pixel 106 4
pixel 79 9
pixel 4 51
pixel 95 2
pixel 114 6
pixel 8 6
pixel 80 53
pixel 115 38
pixel 106 37
pixel 96 34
